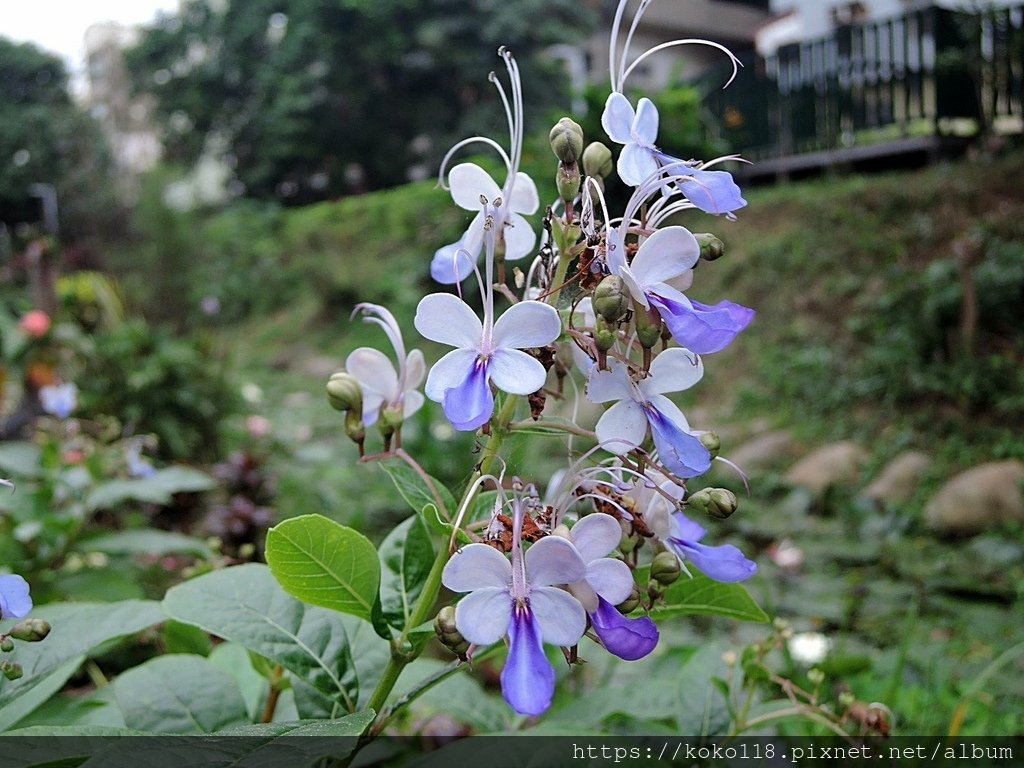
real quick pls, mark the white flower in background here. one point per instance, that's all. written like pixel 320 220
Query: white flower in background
pixel 809 648
pixel 59 400
pixel 384 387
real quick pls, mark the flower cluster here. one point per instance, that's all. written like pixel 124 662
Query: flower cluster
pixel 608 296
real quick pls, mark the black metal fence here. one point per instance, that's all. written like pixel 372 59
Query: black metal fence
pixel 929 73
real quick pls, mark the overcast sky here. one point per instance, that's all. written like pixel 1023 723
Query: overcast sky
pixel 59 25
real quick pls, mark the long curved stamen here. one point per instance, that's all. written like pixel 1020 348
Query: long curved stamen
pixel 461 514
pixel 613 43
pixel 459 145
pixel 386 321
pixel 736 63
pixel 508 115
pixel 515 83
pixel 487 290
pixel 641 9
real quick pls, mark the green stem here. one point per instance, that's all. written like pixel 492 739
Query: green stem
pixel 561 426
pixel 432 586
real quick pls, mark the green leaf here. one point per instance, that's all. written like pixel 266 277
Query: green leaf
pixel 77 628
pixel 413 489
pixel 246 605
pixel 179 694
pixel 350 725
pixel 145 541
pixel 406 557
pixel 432 520
pixel 158 488
pixel 324 563
pixel 186 638
pixel 702 709
pixel 74 730
pixel 100 585
pixel 40 694
pixel 703 595
pixel 20 459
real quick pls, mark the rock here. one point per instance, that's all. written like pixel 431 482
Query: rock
pixel 900 478
pixel 985 495
pixel 762 451
pixel 832 464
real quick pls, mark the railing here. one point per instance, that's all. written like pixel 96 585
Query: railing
pixel 933 72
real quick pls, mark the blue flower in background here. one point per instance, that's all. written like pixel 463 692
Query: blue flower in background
pixel 15 602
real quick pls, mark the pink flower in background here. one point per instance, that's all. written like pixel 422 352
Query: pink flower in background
pixel 35 323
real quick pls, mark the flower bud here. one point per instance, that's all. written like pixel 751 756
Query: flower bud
pixel 447 633
pixel 611 299
pixel 816 676
pixel 391 418
pixel 354 426
pixel 566 140
pixel 630 539
pixel 665 568
pixel 597 160
pixel 648 326
pixel 718 503
pixel 711 247
pixel 10 670
pixel 712 442
pixel 567 181
pixel 605 335
pixel 30 630
pixel 630 603
pixel 6 645
pixel 344 392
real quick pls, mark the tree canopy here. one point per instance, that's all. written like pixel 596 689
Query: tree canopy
pixel 314 98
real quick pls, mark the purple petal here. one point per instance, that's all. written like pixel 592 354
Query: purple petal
pixel 629 639
pixel 723 563
pixel 451 264
pixel 713 192
pixel 595 535
pixel 470 404
pixel 682 454
pixel 701 328
pixel 553 560
pixel 15 602
pixel 528 679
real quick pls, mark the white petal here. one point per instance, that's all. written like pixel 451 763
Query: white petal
pixel 671 411
pixel 450 371
pixel 483 616
pixel 447 319
pixel 374 371
pixel 611 579
pixel 605 386
pixel 372 401
pixel 475 567
pixel 635 164
pixel 665 255
pixel 527 324
pixel 617 118
pixel 636 291
pixel 645 125
pixel 683 282
pixel 469 182
pixel 595 536
pixel 415 370
pixel 560 616
pixel 411 402
pixel 583 316
pixel 519 237
pixel 553 560
pixel 524 195
pixel 622 428
pixel 516 372
pixel 673 370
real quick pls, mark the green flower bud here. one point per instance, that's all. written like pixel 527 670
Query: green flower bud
pixel 10 670
pixel 605 335
pixel 665 568
pixel 567 181
pixel 392 418
pixel 630 540
pixel 712 442
pixel 354 426
pixel 711 247
pixel 631 603
pixel 444 622
pixel 566 140
pixel 816 676
pixel 648 326
pixel 597 160
pixel 714 502
pixel 344 392
pixel 611 299
pixel 30 630
pixel 6 645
